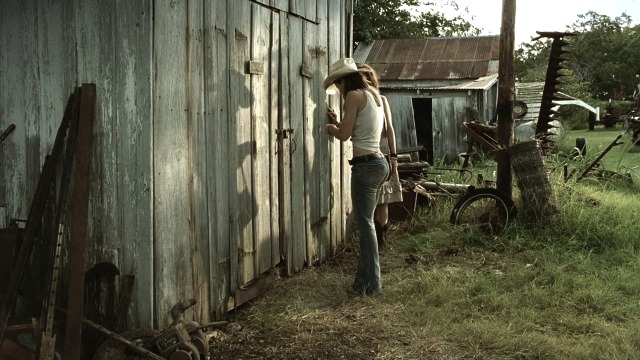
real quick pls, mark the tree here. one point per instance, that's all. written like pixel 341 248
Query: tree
pixel 531 60
pixel 387 19
pixel 606 55
pixel 602 63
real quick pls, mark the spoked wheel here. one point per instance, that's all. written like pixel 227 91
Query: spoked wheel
pixel 488 209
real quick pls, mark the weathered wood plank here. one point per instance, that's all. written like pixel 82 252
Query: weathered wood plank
pixel 262 132
pixel 172 257
pixel 274 149
pixel 304 8
pixel 218 145
pixel 96 64
pixel 79 226
pixel 199 240
pixel 297 249
pixel 20 166
pixel 280 5
pixel 334 52
pixel 55 51
pixel 313 142
pixel 325 143
pixel 403 120
pixel 132 98
pixel 347 148
pixel 287 145
pixel 243 251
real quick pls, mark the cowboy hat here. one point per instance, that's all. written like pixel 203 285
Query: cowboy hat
pixel 340 68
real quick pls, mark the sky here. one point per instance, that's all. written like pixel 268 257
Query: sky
pixel 542 15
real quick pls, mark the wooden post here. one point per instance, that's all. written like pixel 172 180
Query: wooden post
pixel 506 94
pixel 78 240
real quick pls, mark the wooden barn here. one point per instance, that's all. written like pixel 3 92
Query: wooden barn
pixel 211 172
pixel 433 85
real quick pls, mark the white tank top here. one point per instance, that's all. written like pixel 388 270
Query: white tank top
pixel 368 126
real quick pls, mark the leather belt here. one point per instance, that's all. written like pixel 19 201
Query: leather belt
pixel 365 158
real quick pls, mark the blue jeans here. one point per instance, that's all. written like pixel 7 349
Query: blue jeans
pixel 366 179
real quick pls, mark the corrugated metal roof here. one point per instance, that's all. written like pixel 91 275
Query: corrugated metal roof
pixel 441 58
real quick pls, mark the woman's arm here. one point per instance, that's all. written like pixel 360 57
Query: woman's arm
pixel 354 102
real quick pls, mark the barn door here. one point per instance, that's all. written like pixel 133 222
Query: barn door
pixel 423 119
pixel 264 70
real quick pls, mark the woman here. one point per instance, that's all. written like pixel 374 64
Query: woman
pixel 391 189
pixel 362 122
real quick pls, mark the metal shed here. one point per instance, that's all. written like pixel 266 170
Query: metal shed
pixel 210 166
pixel 433 85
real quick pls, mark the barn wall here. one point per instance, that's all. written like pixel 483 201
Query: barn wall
pixel 449 111
pixel 210 165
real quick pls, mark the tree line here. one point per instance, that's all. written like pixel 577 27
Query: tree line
pixel 603 63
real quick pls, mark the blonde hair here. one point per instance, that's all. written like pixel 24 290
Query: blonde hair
pixel 370 76
pixel 371 79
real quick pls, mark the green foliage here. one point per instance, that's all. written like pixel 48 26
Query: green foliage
pixel 387 19
pixel 531 60
pixel 606 55
pixel 602 62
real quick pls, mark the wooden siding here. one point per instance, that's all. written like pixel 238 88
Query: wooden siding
pixel 403 120
pixel 449 110
pixel 211 166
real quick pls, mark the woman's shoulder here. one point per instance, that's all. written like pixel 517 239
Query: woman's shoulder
pixel 356 94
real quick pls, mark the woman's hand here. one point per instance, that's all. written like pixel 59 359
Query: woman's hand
pixel 327 128
pixel 332 116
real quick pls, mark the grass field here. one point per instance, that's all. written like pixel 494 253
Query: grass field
pixel 621 158
pixel 562 287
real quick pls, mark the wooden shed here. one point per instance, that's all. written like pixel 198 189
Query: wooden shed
pixel 433 85
pixel 211 169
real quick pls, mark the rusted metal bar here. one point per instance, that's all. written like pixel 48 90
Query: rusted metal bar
pixel 594 162
pixel 124 341
pixel 7 132
pixel 34 219
pixel 78 241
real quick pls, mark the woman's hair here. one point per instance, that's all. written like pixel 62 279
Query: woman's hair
pixel 353 81
pixel 356 81
pixel 370 76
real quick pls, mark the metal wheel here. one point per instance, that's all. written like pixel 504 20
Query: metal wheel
pixel 487 209
pixel 519 109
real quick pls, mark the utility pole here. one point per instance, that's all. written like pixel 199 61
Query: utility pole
pixel 506 95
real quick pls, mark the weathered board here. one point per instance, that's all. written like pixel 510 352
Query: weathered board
pixel 448 113
pixel 172 257
pixel 218 147
pixel 298 249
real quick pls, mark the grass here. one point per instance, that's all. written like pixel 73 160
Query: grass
pixel 621 158
pixel 563 288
